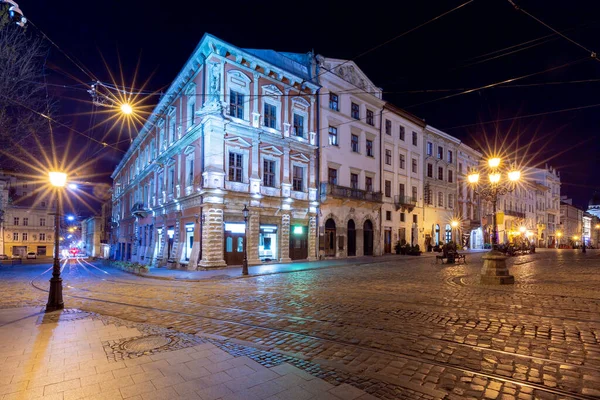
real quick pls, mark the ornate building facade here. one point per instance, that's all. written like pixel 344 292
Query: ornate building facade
pixel 470 230
pixel 237 128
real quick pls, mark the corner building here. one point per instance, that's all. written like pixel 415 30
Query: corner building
pixel 236 128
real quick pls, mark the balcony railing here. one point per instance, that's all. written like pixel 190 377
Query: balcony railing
pixel 516 214
pixel 139 210
pixel 405 202
pixel 349 193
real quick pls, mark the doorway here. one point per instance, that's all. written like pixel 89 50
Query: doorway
pixel 330 238
pixel 387 240
pixel 351 238
pixel 368 237
pixel 299 242
pixel 234 243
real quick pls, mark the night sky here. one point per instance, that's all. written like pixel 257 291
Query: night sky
pixel 460 51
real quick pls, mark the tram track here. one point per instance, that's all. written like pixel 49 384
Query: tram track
pixel 343 343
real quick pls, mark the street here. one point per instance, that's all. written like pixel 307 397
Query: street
pixel 402 328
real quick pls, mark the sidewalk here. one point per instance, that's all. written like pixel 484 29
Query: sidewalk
pixel 77 355
pixel 235 272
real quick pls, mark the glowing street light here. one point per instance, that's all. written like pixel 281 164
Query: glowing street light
pixel 500 181
pixel 55 298
pixel 522 229
pixel 126 109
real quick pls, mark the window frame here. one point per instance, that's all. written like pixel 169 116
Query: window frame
pixel 369 147
pixel 402 133
pixel 236 105
pixel 296 179
pixel 388 157
pixel 355 110
pixel 332 132
pixel 388 127
pixel 297 117
pixel 234 171
pixel 268 117
pixel 370 117
pixel 335 101
pixel 269 175
pixel 354 143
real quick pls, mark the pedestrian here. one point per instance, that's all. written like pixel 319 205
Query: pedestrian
pixel 583 247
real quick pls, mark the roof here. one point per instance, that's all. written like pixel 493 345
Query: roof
pixel 298 64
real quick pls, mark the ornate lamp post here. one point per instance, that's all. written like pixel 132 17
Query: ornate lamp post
pixel 245 211
pixel 55 297
pixel 500 181
pixel 558 236
pixel 454 225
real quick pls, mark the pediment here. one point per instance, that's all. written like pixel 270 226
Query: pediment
pixel 349 71
pixel 272 150
pixel 237 141
pixel 170 162
pixel 272 89
pixel 300 101
pixel 299 157
pixel 188 150
pixel 238 75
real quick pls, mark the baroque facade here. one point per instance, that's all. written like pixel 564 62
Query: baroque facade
pixel 237 128
pixel 468 202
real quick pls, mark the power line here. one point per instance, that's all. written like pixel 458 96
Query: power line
pixel 525 116
pixel 499 83
pixel 590 52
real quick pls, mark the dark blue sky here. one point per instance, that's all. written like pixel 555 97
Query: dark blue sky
pixel 434 58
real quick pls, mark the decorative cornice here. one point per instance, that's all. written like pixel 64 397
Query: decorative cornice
pixel 238 141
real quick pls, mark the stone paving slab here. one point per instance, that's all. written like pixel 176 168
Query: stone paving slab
pixel 196 369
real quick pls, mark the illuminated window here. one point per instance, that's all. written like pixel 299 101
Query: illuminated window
pixel 298 125
pixel 334 103
pixel 355 111
pixel 235 167
pixel 269 173
pixel 333 136
pixel 236 104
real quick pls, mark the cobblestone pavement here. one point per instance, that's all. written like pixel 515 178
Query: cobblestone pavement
pixel 405 328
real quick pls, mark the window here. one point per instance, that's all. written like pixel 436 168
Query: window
pixel 355 111
pixel 16 221
pixel 370 120
pixel 402 217
pixel 369 148
pixel 334 102
pixel 25 221
pixel 298 125
pixel 450 176
pixel 450 156
pixel 402 132
pixel 388 126
pixel 235 167
pixel 236 104
pixel 414 193
pixel 388 215
pixel 270 118
pixel 388 156
pixel 429 171
pixel 354 181
pixel 368 184
pixel 333 136
pixel 332 176
pixel 24 236
pixel 440 152
pixel 354 143
pixel 414 137
pixel 15 237
pixel 190 171
pixel 460 168
pixel 414 165
pixel 42 236
pixel 440 199
pixel 429 148
pixel 441 173
pixel 402 161
pixel 401 190
pixel 191 107
pixel 171 179
pixel 298 179
pixel 172 129
pixel 388 188
pixel 415 219
pixel 450 200
pixel 269 173
pixel 42 221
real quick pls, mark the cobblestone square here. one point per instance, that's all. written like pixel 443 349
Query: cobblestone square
pixel 401 327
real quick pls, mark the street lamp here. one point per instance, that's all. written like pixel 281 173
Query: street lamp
pixel 500 181
pixel 55 297
pixel 558 235
pixel 454 225
pixel 245 211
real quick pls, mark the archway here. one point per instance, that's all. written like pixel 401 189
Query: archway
pixel 330 238
pixel 351 238
pixel 368 237
pixel 436 235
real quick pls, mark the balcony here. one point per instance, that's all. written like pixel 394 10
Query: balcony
pixel 516 214
pixel 349 193
pixel 139 210
pixel 405 203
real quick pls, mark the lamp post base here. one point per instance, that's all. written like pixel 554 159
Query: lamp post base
pixel 55 297
pixel 494 271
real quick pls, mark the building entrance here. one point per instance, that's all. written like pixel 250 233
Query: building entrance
pixel 234 243
pixel 299 242
pixel 267 245
pixel 330 238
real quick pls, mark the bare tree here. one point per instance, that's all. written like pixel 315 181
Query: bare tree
pixel 23 95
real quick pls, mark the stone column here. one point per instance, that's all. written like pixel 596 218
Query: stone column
pixel 193 263
pixel 253 238
pixel 312 238
pixel 212 237
pixel 285 238
pixel 255 180
pixel 150 256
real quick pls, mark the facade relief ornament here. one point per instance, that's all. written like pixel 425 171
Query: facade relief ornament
pixel 349 74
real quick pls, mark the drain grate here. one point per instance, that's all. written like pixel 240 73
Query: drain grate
pixel 123 349
pixel 147 343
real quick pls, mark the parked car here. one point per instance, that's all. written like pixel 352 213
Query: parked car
pixel 16 256
pixel 3 257
pixel 31 254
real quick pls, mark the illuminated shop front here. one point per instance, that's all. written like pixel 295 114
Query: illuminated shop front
pixel 267 245
pixel 299 242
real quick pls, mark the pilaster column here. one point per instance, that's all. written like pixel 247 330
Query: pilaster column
pixel 285 238
pixel 212 237
pixel 312 238
pixel 253 238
